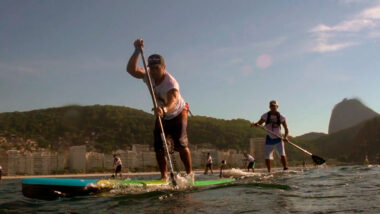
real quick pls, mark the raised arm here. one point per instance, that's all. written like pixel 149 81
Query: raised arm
pixel 132 67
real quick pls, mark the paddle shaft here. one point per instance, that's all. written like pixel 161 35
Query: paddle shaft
pixel 275 134
pixel 150 86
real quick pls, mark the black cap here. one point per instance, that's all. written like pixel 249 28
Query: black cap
pixel 156 59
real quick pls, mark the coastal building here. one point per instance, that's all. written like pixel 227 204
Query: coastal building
pixel 4 161
pixel 94 160
pixel 257 149
pixel 140 147
pixel 77 158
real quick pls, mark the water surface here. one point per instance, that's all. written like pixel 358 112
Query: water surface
pixel 348 189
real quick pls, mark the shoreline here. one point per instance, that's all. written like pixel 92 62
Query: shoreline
pixel 77 175
pixel 109 174
pixel 126 174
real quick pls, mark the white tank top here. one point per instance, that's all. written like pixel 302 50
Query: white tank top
pixel 250 158
pixel 209 160
pixel 161 92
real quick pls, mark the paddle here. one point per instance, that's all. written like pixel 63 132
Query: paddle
pixel 159 119
pixel 316 159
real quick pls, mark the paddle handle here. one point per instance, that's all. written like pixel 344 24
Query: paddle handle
pixel 150 86
pixel 275 134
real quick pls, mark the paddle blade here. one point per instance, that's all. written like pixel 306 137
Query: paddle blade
pixel 318 160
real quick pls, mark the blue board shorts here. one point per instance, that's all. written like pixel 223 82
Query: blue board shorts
pixel 273 144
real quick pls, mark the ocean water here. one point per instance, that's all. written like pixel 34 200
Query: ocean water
pixel 348 189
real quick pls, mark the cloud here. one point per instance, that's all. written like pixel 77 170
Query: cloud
pixel 371 13
pixel 350 32
pixel 264 61
pixel 350 2
pixel 346 26
pixel 326 47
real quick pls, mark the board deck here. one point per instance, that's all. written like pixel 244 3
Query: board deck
pixel 46 188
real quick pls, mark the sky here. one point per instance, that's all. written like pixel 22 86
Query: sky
pixel 230 57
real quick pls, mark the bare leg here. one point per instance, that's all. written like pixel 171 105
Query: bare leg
pixel 186 159
pixel 283 161
pixel 162 164
pixel 267 161
pixel 211 169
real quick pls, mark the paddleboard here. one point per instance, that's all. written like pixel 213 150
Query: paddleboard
pixel 51 188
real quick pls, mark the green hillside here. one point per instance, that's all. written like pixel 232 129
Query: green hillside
pixel 348 145
pixel 106 128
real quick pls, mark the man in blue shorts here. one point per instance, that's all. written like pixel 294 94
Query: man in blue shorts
pixel 273 121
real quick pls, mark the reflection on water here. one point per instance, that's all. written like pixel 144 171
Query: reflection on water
pixel 346 189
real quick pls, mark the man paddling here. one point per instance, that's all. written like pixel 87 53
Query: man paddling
pixel 222 166
pixel 1 173
pixel 251 162
pixel 208 164
pixel 171 108
pixel 273 121
pixel 117 162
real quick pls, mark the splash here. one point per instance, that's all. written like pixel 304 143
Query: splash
pixel 184 181
pixel 128 186
pixel 238 173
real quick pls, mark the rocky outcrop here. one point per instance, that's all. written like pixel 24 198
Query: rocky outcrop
pixel 348 113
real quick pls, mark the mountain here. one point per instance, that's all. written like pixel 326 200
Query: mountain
pixel 349 145
pixel 107 128
pixel 311 136
pixel 348 113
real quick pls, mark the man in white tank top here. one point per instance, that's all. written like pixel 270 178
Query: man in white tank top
pixel 171 107
pixel 273 121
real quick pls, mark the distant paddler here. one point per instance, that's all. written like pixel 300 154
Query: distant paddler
pixel 171 108
pixel 222 166
pixel 208 163
pixel 273 121
pixel 251 162
pixel 1 173
pixel 118 164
